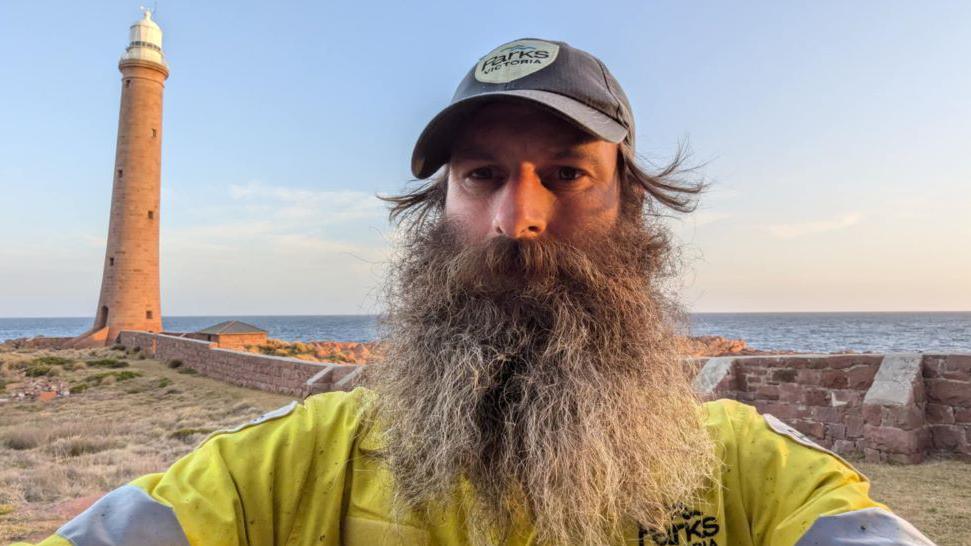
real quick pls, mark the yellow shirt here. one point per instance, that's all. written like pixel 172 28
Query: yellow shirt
pixel 305 475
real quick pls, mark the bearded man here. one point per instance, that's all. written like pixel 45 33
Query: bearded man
pixel 532 390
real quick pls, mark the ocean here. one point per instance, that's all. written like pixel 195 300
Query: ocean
pixel 803 332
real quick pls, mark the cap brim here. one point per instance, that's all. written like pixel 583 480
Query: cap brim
pixel 434 144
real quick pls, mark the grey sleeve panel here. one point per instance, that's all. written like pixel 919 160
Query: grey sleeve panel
pixel 868 527
pixel 127 516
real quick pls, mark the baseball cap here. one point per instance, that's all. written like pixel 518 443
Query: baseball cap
pixel 567 81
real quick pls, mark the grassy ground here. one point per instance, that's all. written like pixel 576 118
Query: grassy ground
pixel 129 419
pixel 934 496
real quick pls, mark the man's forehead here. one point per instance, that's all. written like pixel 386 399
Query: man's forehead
pixel 506 122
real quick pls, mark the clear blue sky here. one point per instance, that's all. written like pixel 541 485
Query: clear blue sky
pixel 836 135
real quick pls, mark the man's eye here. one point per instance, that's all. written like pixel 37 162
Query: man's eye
pixel 482 173
pixel 568 173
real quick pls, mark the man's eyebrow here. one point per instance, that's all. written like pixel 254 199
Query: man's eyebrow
pixel 573 153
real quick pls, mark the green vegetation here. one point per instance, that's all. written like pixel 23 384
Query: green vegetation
pixel 78 388
pixel 38 371
pixel 107 363
pixel 51 361
pixel 188 371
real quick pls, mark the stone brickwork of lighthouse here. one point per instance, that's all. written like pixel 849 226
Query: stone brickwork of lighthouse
pixel 130 297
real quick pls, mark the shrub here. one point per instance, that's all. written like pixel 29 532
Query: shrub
pixel 27 437
pixel 78 388
pixel 51 361
pixel 175 363
pixel 164 382
pixel 79 445
pixel 126 375
pixel 188 371
pixel 118 347
pixel 38 371
pixel 107 363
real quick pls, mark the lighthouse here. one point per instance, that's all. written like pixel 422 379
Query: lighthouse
pixel 130 297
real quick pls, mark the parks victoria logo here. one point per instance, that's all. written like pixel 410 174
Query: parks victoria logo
pixel 514 60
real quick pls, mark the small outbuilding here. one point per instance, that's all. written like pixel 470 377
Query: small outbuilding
pixel 232 334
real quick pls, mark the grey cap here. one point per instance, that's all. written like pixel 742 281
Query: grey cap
pixel 569 82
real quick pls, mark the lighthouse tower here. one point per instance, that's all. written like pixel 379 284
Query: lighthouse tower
pixel 130 283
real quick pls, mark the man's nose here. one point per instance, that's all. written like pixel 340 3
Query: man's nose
pixel 523 206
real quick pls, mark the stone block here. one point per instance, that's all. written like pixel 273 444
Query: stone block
pixel 958 367
pixel 827 414
pixel 961 415
pixel 846 397
pixel 783 411
pixel 873 415
pixel 808 377
pixel 843 362
pixel 844 447
pixel 949 392
pixel 785 375
pixel 904 417
pixel 939 414
pixel 833 379
pixel 812 429
pixel 816 397
pixel 836 431
pixel 891 439
pixel 947 437
pixel 854 426
pixel 871 455
pixel 860 376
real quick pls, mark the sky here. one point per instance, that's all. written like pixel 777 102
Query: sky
pixel 835 137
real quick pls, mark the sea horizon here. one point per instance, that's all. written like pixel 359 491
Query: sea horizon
pixel 800 331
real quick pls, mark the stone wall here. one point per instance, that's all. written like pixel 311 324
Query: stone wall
pixel 947 384
pixel 888 408
pixel 270 373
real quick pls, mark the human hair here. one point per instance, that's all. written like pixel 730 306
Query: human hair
pixel 642 192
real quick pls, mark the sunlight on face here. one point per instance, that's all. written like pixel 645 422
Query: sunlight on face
pixel 519 171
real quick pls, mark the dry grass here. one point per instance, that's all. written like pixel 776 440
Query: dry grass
pixel 115 430
pixel 125 423
pixel 934 496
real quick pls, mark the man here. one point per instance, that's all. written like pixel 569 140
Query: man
pixel 532 391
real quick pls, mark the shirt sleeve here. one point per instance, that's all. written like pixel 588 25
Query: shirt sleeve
pixel 239 487
pixel 796 493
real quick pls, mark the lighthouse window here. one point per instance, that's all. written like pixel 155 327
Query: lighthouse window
pixel 151 214
pixel 148 314
pixel 111 260
pixel 119 173
pixel 127 83
pixel 154 133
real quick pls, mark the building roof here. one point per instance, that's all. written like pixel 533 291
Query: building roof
pixel 232 327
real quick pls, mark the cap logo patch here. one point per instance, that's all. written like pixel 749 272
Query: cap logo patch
pixel 514 60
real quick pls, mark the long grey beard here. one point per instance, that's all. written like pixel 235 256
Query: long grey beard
pixel 547 377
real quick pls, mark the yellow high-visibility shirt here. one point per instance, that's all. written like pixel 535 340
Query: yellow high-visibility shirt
pixel 307 474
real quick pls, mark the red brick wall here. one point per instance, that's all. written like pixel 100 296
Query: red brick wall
pixel 268 373
pixel 947 384
pixel 821 397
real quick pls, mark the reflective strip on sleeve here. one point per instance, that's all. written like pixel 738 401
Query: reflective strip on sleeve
pixel 867 527
pixel 126 516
